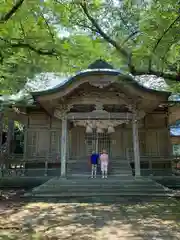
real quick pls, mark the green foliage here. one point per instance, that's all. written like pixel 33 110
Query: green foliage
pixel 147 30
pixel 66 36
pixel 23 40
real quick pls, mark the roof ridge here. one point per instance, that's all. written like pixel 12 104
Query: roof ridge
pixel 100 64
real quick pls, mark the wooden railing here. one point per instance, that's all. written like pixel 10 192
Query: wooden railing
pixel 18 166
pixel 153 165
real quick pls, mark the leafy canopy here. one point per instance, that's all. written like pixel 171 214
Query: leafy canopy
pixel 140 37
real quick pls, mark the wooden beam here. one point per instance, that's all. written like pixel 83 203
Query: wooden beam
pixel 108 98
pixel 99 115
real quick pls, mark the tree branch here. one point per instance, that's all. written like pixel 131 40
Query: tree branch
pixel 87 27
pixel 21 44
pixel 39 51
pixel 128 28
pixel 24 35
pixel 159 40
pixel 166 53
pixel 102 33
pixel 48 27
pixel 129 37
pixel 11 12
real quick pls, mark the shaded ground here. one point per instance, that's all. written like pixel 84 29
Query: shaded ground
pixel 89 219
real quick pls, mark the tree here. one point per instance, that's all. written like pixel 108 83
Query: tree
pixel 140 37
pixel 145 35
pixel 28 43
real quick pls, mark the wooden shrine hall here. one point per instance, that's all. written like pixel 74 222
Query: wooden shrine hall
pixel 98 108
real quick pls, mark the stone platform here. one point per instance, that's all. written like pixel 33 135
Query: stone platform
pixel 113 186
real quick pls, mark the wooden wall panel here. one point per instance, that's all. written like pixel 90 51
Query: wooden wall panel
pixel 56 123
pixel 163 142
pixel 78 146
pixel 157 142
pixel 151 143
pixel 37 144
pixel 142 142
pixel 127 141
pixel 43 143
pixel 47 132
pixel 155 120
pixel 39 120
pixel 31 143
pixel 55 144
pixel 174 114
pixel 117 143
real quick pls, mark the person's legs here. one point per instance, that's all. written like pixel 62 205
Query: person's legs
pixel 105 170
pixel 92 170
pixel 102 169
pixel 95 170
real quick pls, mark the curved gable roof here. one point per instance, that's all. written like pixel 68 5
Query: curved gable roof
pixel 99 67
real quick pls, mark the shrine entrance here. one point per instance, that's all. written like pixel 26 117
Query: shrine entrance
pixel 97 141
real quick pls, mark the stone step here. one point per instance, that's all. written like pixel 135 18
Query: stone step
pixel 99 180
pixel 89 167
pixel 88 175
pixel 96 194
pixel 102 189
pixel 87 161
pixel 98 184
pixel 110 173
pixel 99 167
pixel 124 163
pixel 120 169
pixel 111 179
pixel 113 173
pixel 88 187
pixel 100 193
pixel 119 186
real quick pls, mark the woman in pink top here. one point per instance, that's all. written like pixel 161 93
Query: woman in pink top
pixel 104 159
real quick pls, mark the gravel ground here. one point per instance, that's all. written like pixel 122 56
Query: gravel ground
pixel 88 219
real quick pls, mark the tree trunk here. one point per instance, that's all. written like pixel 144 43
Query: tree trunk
pixel 1 127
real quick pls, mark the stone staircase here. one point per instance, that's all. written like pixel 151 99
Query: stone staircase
pixel 119 186
pixel 120 167
pixel 117 167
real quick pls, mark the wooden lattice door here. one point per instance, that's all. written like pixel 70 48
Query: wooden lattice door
pixel 97 142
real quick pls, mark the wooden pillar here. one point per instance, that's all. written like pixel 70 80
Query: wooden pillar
pixel 169 147
pixel 63 146
pixel 136 145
